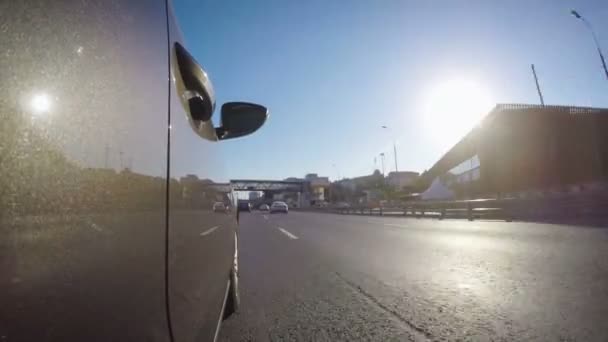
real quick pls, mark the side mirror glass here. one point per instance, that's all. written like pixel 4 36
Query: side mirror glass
pixel 240 119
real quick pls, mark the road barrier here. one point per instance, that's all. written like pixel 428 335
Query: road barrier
pixel 583 209
pixel 469 209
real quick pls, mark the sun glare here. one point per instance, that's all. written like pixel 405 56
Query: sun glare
pixel 453 108
pixel 40 103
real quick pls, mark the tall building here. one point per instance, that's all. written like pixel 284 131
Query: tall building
pixel 253 195
pixel 401 179
pixel 316 189
pixel 374 180
pixel 319 187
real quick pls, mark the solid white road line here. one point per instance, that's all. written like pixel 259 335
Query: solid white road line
pixel 396 225
pixel 209 231
pixel 289 235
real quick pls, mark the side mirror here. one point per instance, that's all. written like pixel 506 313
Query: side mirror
pixel 240 119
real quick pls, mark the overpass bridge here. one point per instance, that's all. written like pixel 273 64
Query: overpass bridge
pixel 301 190
pixel 268 185
pixel 259 185
pixel 296 192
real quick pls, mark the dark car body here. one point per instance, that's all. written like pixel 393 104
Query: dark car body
pixel 244 206
pixel 101 218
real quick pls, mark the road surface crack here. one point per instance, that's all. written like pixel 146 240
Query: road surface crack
pixel 418 333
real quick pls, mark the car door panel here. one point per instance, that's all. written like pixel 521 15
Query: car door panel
pixel 83 168
pixel 201 241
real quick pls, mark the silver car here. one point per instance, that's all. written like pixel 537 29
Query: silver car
pixel 279 207
pixel 102 237
pixel 219 207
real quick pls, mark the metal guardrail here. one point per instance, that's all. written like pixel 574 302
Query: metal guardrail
pixel 469 209
pixel 583 209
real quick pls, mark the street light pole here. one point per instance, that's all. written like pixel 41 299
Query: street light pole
pixel 597 44
pixel 382 159
pixel 394 151
pixel 337 171
pixel 540 94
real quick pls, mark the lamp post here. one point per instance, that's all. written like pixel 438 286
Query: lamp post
pixel 394 150
pixel 597 44
pixel 337 171
pixel 382 159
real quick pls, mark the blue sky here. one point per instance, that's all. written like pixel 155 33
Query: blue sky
pixel 333 72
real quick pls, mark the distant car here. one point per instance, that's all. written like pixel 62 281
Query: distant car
pixel 279 207
pixel 342 205
pixel 219 207
pixel 264 207
pixel 245 206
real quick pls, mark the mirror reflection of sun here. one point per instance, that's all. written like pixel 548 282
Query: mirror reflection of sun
pixel 452 108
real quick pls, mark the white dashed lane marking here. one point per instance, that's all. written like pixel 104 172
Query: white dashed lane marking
pixel 96 227
pixel 209 231
pixel 289 235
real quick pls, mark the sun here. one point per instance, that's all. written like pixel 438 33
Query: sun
pixel 452 108
pixel 40 103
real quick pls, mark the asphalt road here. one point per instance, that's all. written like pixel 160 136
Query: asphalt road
pixel 325 277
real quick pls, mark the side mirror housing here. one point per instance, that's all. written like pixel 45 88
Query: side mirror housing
pixel 198 99
pixel 240 119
